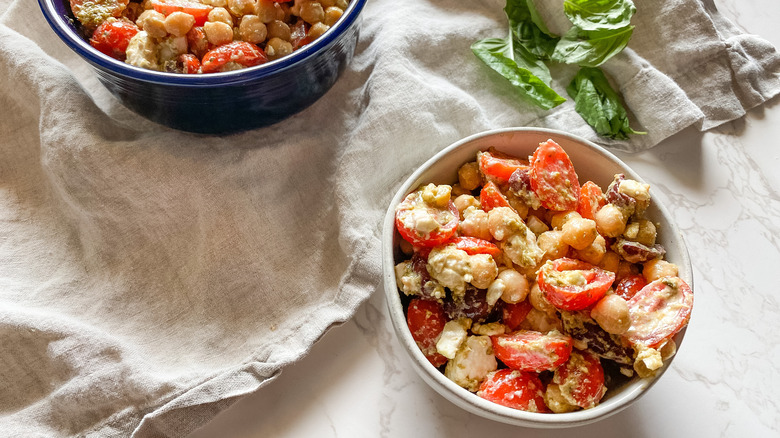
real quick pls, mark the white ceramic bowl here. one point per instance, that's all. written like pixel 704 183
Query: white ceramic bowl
pixel 591 162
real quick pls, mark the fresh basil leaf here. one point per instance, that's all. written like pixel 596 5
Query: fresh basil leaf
pixel 528 28
pixel 591 48
pixel 599 104
pixel 591 15
pixel 498 55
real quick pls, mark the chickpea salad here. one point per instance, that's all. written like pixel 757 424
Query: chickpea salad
pixel 533 291
pixel 203 36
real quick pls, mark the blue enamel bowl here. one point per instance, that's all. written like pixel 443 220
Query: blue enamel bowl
pixel 218 103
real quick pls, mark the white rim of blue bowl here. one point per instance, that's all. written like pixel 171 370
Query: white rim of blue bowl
pixel 464 398
pixel 82 47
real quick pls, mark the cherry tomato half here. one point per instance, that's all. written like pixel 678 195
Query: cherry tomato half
pixel 628 286
pixel 527 350
pixel 512 315
pixel 553 178
pixel 423 224
pixel 591 200
pixel 426 320
pixel 199 11
pixel 581 379
pixel 240 52
pixel 474 245
pixel 491 197
pixel 515 389
pixel 659 311
pixel 188 63
pixel 112 38
pixel 570 284
pixel 497 166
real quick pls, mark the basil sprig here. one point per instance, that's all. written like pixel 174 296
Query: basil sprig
pixel 601 29
pixel 518 58
pixel 599 104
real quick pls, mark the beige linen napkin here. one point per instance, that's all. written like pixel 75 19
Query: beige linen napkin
pixel 149 278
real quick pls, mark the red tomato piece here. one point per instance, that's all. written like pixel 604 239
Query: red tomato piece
pixel 299 35
pixel 112 37
pixel 527 350
pixel 581 379
pixel 498 166
pixel 426 320
pixel 570 284
pixel 197 42
pixel 659 311
pixel 515 389
pixel 491 197
pixel 553 178
pixel 591 200
pixel 239 52
pixel 512 315
pixel 414 211
pixel 628 286
pixel 474 245
pixel 198 10
pixel 188 63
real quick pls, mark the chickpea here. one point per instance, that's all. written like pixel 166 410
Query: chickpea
pixel 266 10
pixel 252 29
pixel 468 176
pixel 327 3
pixel 475 223
pixel 558 219
pixel 239 8
pixel 658 268
pixel 539 301
pixel 221 15
pixel 438 196
pixel 642 231
pixel 277 48
pixel 610 221
pixel 342 4
pixel 463 202
pixel 518 204
pixel 595 252
pixel 153 23
pixel 610 261
pixel 483 270
pixel 312 12
pixel 316 31
pixel 332 15
pixel 457 190
pixel 510 286
pixel 579 233
pixel 283 11
pixel 179 23
pixel 215 3
pixel 611 313
pixel 536 225
pixel 554 399
pixel 280 30
pixel 218 33
pixel 668 350
pixel 551 242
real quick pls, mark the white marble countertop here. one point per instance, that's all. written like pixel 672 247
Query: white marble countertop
pixel 723 187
